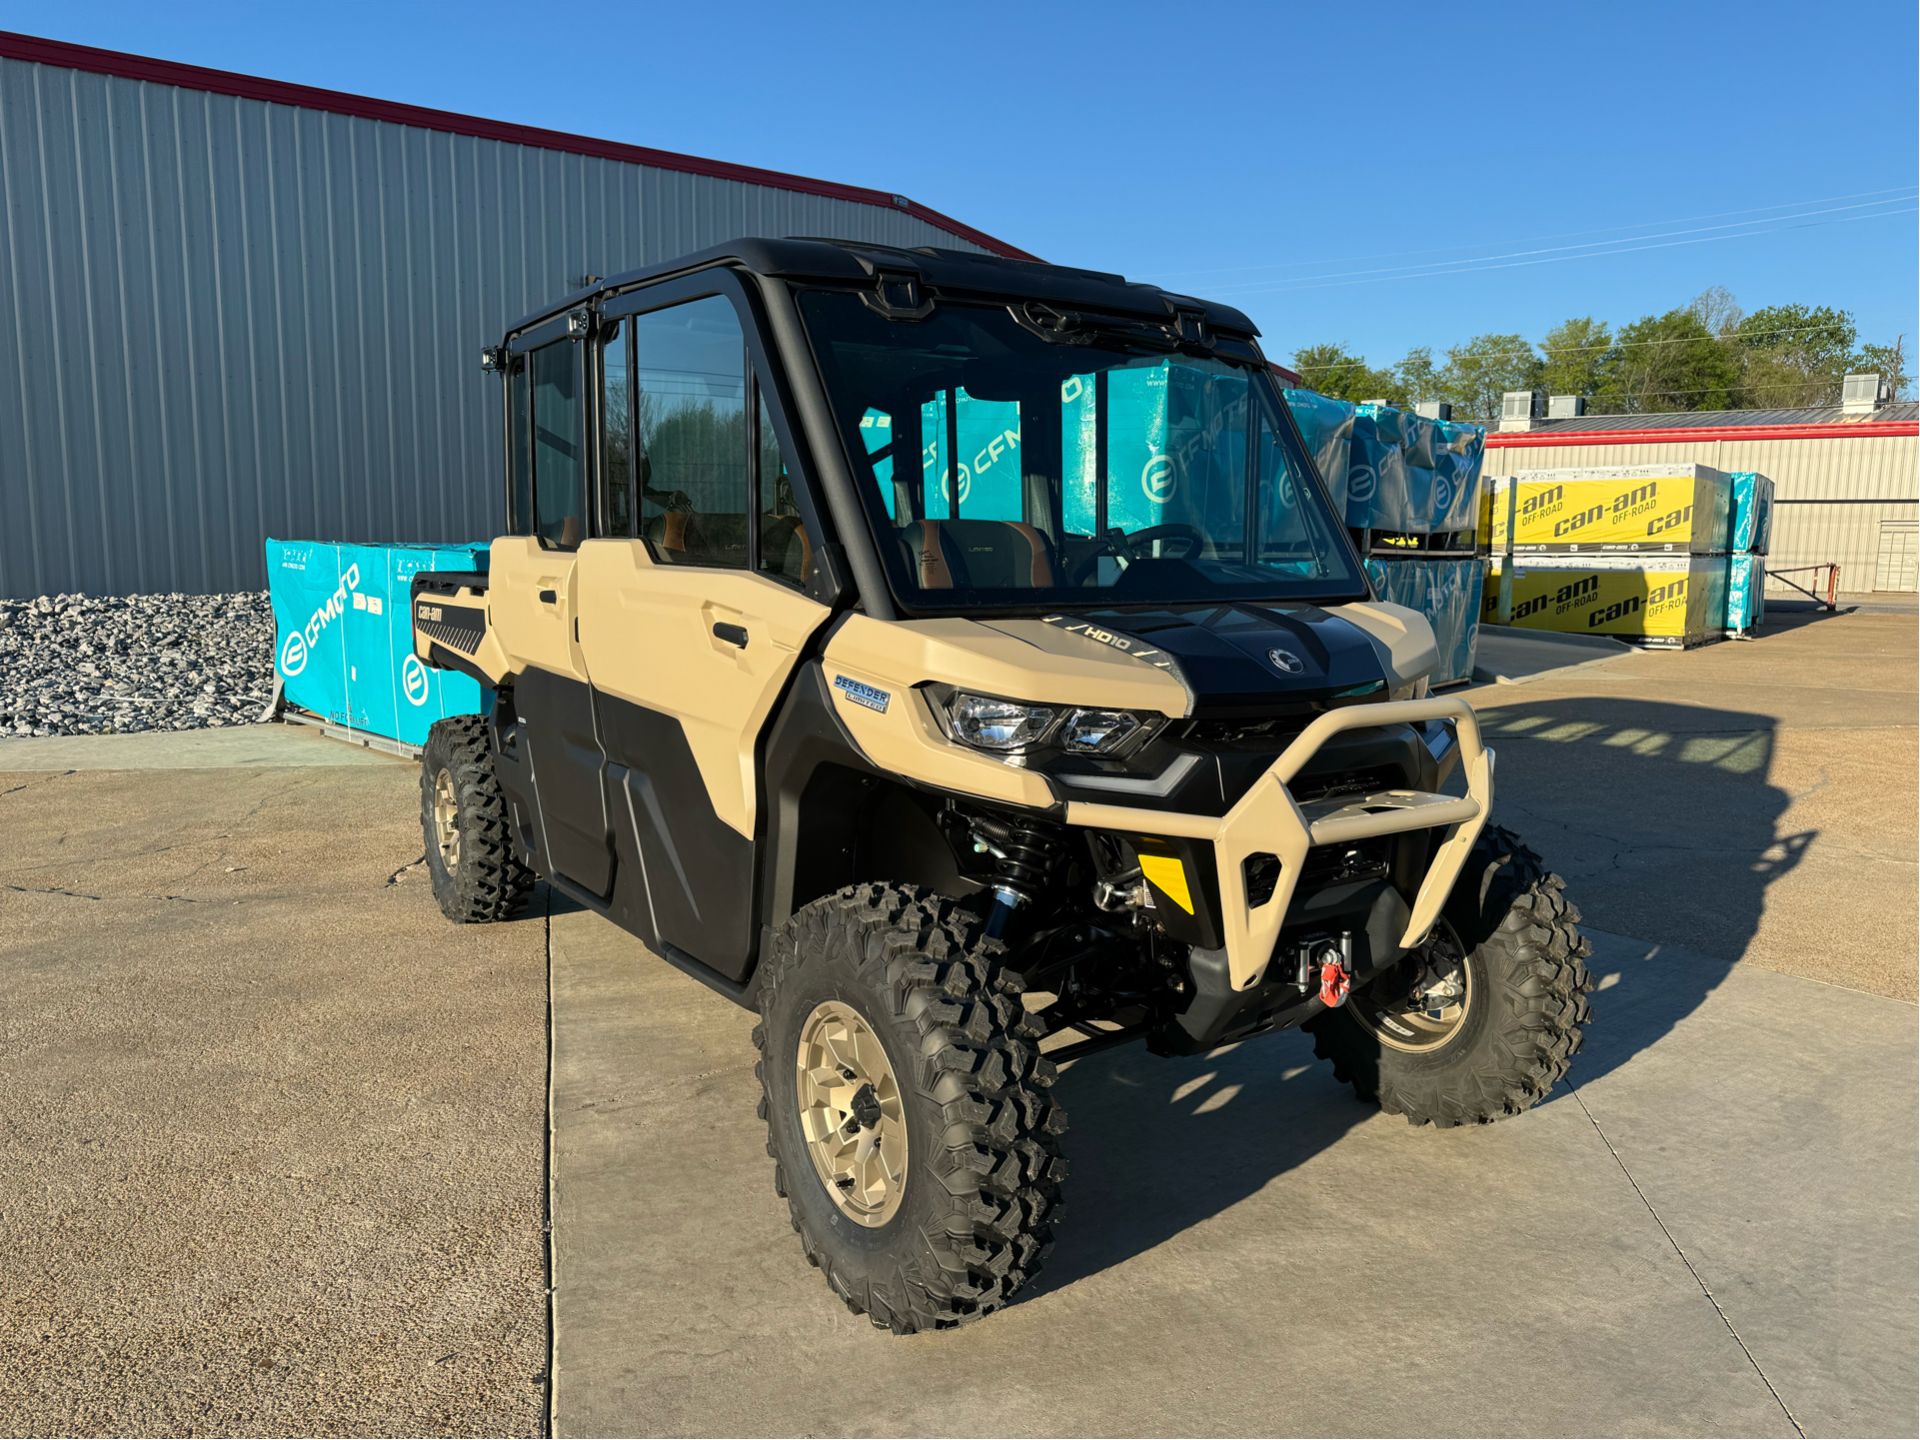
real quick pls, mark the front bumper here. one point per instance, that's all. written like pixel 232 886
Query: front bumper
pixel 1269 821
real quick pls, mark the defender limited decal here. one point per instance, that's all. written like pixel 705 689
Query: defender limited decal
pixel 862 694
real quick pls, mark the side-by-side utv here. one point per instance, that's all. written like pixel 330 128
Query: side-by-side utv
pixel 958 661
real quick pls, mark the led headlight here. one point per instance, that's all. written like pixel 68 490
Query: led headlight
pixel 1097 732
pixel 989 724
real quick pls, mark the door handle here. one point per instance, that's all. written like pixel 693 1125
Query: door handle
pixel 549 597
pixel 732 634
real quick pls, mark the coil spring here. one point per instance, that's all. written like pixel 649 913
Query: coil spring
pixel 1027 851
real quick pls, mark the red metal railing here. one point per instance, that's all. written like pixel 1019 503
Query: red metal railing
pixel 1830 599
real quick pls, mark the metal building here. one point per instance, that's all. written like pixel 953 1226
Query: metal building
pixel 1846 479
pixel 235 308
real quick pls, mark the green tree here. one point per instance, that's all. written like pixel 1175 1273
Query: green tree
pixel 1336 371
pixel 1794 355
pixel 1417 378
pixel 1576 355
pixel 1891 362
pixel 1668 362
pixel 1479 372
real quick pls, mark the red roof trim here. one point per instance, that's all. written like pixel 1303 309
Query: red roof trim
pixel 250 87
pixel 1836 431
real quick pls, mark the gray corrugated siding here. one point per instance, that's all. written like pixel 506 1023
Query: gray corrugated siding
pixel 227 319
pixel 1831 496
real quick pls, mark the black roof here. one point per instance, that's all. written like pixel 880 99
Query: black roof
pixel 940 271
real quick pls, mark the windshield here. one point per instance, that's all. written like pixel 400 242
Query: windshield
pixel 1004 467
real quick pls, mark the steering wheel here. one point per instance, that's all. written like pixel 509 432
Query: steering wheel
pixel 1132 545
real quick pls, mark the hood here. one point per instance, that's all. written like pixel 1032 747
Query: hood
pixel 1245 659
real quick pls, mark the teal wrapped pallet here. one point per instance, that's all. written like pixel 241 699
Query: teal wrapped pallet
pixel 1752 512
pixel 1448 593
pixel 343 636
pixel 1746 592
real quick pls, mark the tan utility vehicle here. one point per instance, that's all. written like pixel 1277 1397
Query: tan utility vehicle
pixel 958 661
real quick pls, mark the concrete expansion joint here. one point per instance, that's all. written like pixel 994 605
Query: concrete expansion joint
pixel 1581 1100
pixel 29 784
pixel 546 1189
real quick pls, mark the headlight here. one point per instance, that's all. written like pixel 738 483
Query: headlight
pixel 1010 727
pixel 1097 732
pixel 989 724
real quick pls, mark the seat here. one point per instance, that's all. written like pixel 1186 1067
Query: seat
pixel 978 554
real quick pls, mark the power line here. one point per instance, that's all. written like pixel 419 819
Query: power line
pixel 1555 235
pixel 1555 350
pixel 1509 262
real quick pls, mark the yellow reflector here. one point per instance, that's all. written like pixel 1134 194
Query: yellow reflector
pixel 1167 875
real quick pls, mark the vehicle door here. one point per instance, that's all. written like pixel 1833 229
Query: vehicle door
pixel 693 602
pixel 533 592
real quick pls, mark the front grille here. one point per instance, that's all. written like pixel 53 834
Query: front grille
pixel 1332 785
pixel 1338 864
pixel 1271 733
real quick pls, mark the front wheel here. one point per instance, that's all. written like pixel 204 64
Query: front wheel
pixel 907 1107
pixel 1478 1023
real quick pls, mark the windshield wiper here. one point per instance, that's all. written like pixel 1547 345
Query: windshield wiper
pixel 1083 327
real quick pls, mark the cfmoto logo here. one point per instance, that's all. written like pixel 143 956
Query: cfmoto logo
pixel 413 680
pixel 1286 662
pixel 1157 480
pixel 293 655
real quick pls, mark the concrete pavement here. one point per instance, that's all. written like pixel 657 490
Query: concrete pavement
pixel 271 1130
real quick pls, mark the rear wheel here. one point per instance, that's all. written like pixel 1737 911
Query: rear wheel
pixel 907 1107
pixel 477 871
pixel 1481 1021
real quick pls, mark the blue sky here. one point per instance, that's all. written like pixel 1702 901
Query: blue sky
pixel 1410 178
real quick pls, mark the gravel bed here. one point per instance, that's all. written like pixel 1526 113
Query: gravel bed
pixel 109 664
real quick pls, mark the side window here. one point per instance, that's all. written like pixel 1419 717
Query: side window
pixel 690 408
pixel 559 451
pixel 519 450
pixel 616 414
pixel 786 549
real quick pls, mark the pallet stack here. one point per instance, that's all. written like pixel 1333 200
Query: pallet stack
pixel 1409 490
pixel 1641 553
pixel 1747 565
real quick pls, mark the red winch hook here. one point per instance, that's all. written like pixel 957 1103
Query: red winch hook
pixel 1335 984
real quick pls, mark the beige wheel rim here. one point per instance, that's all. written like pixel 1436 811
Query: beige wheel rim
pixel 446 832
pixel 851 1114
pixel 1432 1013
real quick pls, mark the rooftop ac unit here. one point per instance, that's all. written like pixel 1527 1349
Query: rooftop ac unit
pixel 1566 407
pixel 1863 393
pixel 1434 409
pixel 1519 404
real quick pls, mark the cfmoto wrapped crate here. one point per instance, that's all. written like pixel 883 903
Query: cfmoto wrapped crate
pixel 1625 510
pixel 1674 601
pixel 343 644
pixel 1445 590
pixel 1752 523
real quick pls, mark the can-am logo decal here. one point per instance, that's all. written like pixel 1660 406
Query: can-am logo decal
pixel 862 694
pixel 295 649
pixel 1286 662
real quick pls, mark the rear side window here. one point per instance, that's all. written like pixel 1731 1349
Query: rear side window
pixel 690 412
pixel 559 449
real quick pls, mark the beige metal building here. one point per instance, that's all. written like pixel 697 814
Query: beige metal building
pixel 1846 477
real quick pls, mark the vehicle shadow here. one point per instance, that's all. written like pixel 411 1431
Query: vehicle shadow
pixel 1664 823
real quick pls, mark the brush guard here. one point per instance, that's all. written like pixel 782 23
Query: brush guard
pixel 1269 821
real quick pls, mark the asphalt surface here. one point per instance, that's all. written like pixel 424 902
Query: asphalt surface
pixel 273 1131
pixel 274 1158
